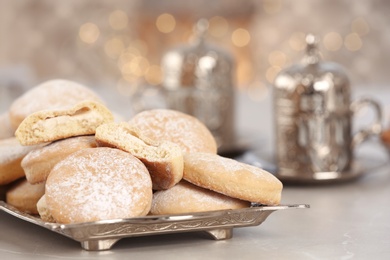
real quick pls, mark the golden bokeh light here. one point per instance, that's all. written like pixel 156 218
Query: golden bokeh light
pixel 277 58
pixel 353 42
pixel 153 75
pixel 244 71
pixel 333 41
pixel 297 41
pixel 89 33
pixel 272 72
pixel 165 23
pixel 114 47
pixel 218 26
pixel 118 20
pixel 136 66
pixel 241 37
pixel 360 26
pixel 127 56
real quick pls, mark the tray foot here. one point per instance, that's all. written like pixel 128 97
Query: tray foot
pixel 220 233
pixel 98 245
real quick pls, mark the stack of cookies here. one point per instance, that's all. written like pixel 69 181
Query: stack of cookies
pixel 69 161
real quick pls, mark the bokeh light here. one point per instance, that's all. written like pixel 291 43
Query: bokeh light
pixel 165 23
pixel 241 37
pixel 118 20
pixel 297 41
pixel 154 75
pixel 89 33
pixel 353 42
pixel 333 41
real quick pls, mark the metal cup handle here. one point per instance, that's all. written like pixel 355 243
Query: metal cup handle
pixel 375 128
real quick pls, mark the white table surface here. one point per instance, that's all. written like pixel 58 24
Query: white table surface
pixel 346 221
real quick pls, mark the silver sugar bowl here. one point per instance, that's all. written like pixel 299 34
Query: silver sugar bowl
pixel 313 119
pixel 198 80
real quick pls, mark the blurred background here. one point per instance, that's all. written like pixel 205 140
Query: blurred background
pixel 116 46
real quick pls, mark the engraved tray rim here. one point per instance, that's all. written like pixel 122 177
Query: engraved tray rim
pixel 102 235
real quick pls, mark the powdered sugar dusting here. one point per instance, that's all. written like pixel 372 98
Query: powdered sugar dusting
pixel 96 184
pixel 226 165
pixel 70 144
pixel 53 94
pixel 11 149
pixel 174 126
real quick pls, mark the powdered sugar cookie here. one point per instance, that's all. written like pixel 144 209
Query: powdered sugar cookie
pixel 49 95
pixel 164 160
pixel 11 155
pixel 185 197
pixel 98 184
pixel 232 178
pixel 25 196
pixel 38 163
pixel 174 126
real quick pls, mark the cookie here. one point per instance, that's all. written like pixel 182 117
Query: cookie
pixel 52 125
pixel 182 129
pixel 98 184
pixel 164 160
pixel 232 178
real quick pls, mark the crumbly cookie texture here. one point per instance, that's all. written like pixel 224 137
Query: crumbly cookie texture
pixel 164 160
pixel 49 95
pixel 52 125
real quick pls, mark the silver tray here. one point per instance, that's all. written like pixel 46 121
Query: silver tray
pixel 361 166
pixel 102 235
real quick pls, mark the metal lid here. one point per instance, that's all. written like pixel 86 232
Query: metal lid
pixel 313 76
pixel 197 64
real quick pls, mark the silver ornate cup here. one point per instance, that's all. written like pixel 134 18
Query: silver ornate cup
pixel 198 80
pixel 313 118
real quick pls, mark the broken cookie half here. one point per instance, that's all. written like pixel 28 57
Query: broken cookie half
pixel 51 125
pixel 164 160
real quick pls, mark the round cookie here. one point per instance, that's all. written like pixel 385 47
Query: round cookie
pixel 25 196
pixel 174 126
pixel 38 163
pixel 52 94
pixel 11 155
pixel 164 160
pixel 43 211
pixel 185 197
pixel 232 178
pixel 98 184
